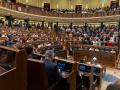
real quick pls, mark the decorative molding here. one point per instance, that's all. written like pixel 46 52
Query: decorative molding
pixel 17 14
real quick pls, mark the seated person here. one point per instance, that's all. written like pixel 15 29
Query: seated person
pixel 91 49
pixel 113 51
pixel 9 43
pixel 101 49
pixel 109 43
pixel 96 64
pixel 29 50
pixel 85 82
pixel 93 60
pixel 84 60
pixel 78 82
pixel 107 49
pixel 96 49
pixel 52 72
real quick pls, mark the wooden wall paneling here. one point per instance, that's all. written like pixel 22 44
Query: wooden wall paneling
pixel 37 78
pixel 8 80
pixel 105 58
pixel 72 78
pixel 21 66
pixel 14 79
pixel 62 54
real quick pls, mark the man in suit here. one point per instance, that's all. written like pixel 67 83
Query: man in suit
pixel 51 68
pixel 52 72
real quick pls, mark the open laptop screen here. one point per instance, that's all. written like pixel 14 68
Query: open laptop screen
pixel 64 66
pixel 84 68
pixel 96 70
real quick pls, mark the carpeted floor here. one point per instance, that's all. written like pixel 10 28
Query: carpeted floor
pixel 111 76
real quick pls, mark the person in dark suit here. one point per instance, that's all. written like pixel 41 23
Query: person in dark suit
pixel 51 68
pixel 52 72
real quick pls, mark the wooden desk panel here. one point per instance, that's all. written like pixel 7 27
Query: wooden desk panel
pixel 8 80
pixel 105 58
pixel 62 54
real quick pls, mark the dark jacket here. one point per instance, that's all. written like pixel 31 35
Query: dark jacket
pixel 53 76
pixel 52 72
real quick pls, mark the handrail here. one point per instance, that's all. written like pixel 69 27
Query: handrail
pixel 39 11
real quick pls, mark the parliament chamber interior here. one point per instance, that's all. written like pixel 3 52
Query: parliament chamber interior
pixel 59 44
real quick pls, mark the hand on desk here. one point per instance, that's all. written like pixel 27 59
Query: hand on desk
pixel 84 73
pixel 65 74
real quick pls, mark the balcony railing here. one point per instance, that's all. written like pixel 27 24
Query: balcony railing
pixel 40 11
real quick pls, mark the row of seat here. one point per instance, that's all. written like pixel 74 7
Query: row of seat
pixel 31 75
pixel 78 73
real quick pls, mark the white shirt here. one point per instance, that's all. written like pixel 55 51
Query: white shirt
pixel 98 65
